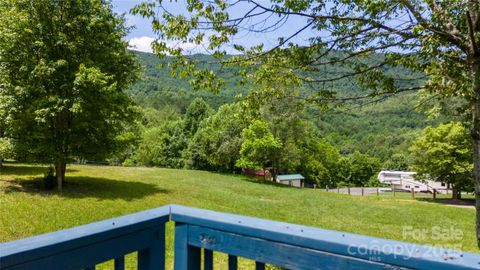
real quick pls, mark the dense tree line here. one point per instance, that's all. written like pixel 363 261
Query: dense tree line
pixel 278 137
pixel 384 129
pixel 365 137
pixel 282 136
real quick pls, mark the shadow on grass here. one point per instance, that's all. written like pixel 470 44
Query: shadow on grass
pixel 252 179
pixel 12 168
pixel 461 202
pixel 87 187
pixel 265 182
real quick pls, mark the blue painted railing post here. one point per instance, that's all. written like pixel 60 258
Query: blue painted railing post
pixel 186 257
pixel 259 266
pixel 119 263
pixel 153 257
pixel 232 262
pixel 207 259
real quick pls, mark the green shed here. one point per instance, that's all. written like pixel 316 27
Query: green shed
pixel 294 180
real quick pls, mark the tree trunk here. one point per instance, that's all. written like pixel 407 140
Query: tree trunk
pixel 60 168
pixel 476 142
pixel 456 194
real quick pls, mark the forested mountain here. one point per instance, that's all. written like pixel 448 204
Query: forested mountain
pixel 157 88
pixel 382 129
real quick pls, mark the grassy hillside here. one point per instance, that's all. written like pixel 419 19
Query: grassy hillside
pixel 95 193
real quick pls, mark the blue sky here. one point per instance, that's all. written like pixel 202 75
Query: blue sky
pixel 142 35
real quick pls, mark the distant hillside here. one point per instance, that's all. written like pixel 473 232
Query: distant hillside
pixel 381 129
pixel 157 88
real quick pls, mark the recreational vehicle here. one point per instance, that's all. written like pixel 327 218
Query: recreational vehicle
pixel 406 181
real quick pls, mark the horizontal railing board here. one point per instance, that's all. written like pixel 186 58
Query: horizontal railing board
pixel 364 247
pixel 93 254
pixel 279 254
pixel 32 248
pixel 345 244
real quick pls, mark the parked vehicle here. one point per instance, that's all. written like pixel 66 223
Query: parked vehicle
pixel 405 181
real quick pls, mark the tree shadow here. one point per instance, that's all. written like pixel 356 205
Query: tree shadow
pixel 460 202
pixel 87 187
pixel 22 170
pixel 265 182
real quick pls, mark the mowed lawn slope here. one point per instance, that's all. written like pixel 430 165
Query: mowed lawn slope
pixel 94 193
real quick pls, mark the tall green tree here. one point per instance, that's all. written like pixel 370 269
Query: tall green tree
pixel 303 150
pixel 5 149
pixel 440 39
pixel 162 145
pixel 443 153
pixel 357 169
pixel 217 142
pixel 259 146
pixel 195 156
pixel 319 161
pixel 64 67
pixel 287 123
pixel 196 112
pixel 363 168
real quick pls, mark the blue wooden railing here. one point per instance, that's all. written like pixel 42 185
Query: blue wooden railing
pixel 264 241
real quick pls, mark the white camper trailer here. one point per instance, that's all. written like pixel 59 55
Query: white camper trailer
pixel 405 181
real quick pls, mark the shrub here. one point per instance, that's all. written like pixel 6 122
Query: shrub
pixel 49 179
pixel 128 163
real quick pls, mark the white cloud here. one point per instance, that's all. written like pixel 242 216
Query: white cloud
pixel 143 44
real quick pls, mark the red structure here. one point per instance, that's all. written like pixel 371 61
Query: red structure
pixel 263 174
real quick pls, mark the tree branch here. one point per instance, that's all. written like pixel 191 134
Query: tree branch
pixel 425 24
pixel 351 74
pixel 471 31
pixel 338 18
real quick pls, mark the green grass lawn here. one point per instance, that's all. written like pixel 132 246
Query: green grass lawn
pixel 93 193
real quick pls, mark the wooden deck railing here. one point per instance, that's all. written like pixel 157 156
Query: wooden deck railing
pixel 264 241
